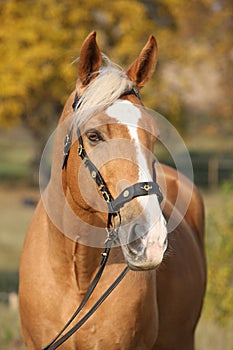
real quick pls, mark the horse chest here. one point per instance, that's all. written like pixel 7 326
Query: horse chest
pixel 117 331
pixel 127 320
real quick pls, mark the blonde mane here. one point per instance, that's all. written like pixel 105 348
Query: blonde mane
pixel 110 83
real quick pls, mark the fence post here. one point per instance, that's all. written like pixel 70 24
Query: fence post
pixel 213 166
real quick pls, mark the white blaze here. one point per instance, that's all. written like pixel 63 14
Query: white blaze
pixel 128 114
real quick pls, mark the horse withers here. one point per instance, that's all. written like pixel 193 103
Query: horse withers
pixel 108 174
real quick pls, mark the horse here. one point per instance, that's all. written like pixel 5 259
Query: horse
pixel 107 174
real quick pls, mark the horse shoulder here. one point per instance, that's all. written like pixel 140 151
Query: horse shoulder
pixel 181 279
pixel 189 196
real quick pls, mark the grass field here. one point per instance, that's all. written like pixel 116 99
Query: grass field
pixel 10 335
pixel 14 219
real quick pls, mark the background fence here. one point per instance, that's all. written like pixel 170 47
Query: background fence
pixel 211 170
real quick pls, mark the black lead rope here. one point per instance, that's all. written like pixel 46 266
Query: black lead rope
pixel 55 343
pixel 90 290
pixel 90 312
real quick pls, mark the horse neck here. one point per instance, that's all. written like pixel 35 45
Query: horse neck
pixel 86 261
pixel 69 256
pixel 72 262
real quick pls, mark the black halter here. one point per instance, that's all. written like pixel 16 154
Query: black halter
pixel 136 190
pixel 114 206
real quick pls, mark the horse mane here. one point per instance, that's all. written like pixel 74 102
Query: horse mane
pixel 111 82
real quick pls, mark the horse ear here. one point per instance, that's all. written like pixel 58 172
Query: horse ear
pixel 142 68
pixel 90 59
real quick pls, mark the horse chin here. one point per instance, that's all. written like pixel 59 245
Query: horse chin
pixel 143 267
pixel 149 260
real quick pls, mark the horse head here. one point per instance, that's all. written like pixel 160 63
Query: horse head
pixel 118 137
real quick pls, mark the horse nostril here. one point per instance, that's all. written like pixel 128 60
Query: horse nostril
pixel 135 233
pixel 135 244
pixel 165 244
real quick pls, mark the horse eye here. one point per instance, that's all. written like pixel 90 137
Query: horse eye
pixel 94 136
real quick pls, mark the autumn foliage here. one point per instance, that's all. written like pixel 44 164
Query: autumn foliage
pixel 39 41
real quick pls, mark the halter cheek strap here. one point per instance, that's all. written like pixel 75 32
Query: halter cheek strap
pixel 94 172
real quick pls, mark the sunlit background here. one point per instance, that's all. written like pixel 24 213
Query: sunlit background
pixel 192 87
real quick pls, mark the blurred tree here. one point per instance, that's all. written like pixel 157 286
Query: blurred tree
pixel 39 40
pixel 199 70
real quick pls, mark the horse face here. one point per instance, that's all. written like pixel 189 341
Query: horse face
pixel 122 136
pixel 125 143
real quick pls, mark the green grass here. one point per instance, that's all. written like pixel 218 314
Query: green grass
pixel 10 335
pixel 211 335
pixel 13 225
pixel 14 219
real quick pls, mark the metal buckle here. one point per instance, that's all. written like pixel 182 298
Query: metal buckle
pixel 105 196
pixel 104 193
pixel 80 150
pixel 111 235
pixel 146 188
pixel 67 140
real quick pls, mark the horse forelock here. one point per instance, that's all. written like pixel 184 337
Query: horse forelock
pixel 110 83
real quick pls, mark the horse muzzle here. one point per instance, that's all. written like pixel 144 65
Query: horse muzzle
pixel 144 249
